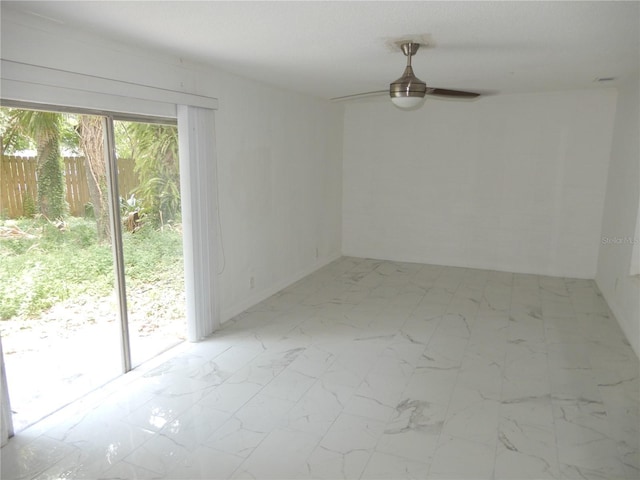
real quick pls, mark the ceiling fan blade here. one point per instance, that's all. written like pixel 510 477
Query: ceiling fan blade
pixel 451 93
pixel 443 92
pixel 361 95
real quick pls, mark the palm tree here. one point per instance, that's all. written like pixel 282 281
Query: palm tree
pixel 44 129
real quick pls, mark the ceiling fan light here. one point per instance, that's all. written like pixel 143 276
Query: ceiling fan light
pixel 407 103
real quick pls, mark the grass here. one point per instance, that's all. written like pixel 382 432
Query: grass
pixel 56 265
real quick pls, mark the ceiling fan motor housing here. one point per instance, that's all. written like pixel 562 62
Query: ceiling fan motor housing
pixel 408 85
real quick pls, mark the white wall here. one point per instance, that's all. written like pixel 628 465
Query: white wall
pixel 511 182
pixel 279 154
pixel 621 290
pixel 280 176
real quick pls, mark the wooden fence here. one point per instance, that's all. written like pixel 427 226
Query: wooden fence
pixel 19 184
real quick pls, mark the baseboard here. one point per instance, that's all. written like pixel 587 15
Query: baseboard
pixel 474 266
pixel 258 297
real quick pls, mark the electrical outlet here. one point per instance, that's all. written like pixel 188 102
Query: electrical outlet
pixel 317 253
pixel 252 282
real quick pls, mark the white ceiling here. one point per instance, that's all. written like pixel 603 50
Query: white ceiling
pixel 331 49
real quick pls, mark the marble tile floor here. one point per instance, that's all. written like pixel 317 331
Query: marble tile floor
pixel 369 369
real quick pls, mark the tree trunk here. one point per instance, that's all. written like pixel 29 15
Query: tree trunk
pixel 92 143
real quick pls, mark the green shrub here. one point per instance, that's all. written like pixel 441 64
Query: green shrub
pixel 29 208
pixel 59 264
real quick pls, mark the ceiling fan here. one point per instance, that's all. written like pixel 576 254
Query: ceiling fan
pixel 408 92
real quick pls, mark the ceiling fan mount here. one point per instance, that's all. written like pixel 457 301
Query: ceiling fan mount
pixel 409 48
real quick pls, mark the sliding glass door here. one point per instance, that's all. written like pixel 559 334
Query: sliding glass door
pixel 152 236
pixel 91 276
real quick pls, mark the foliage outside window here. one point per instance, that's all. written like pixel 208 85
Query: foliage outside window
pixel 154 150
